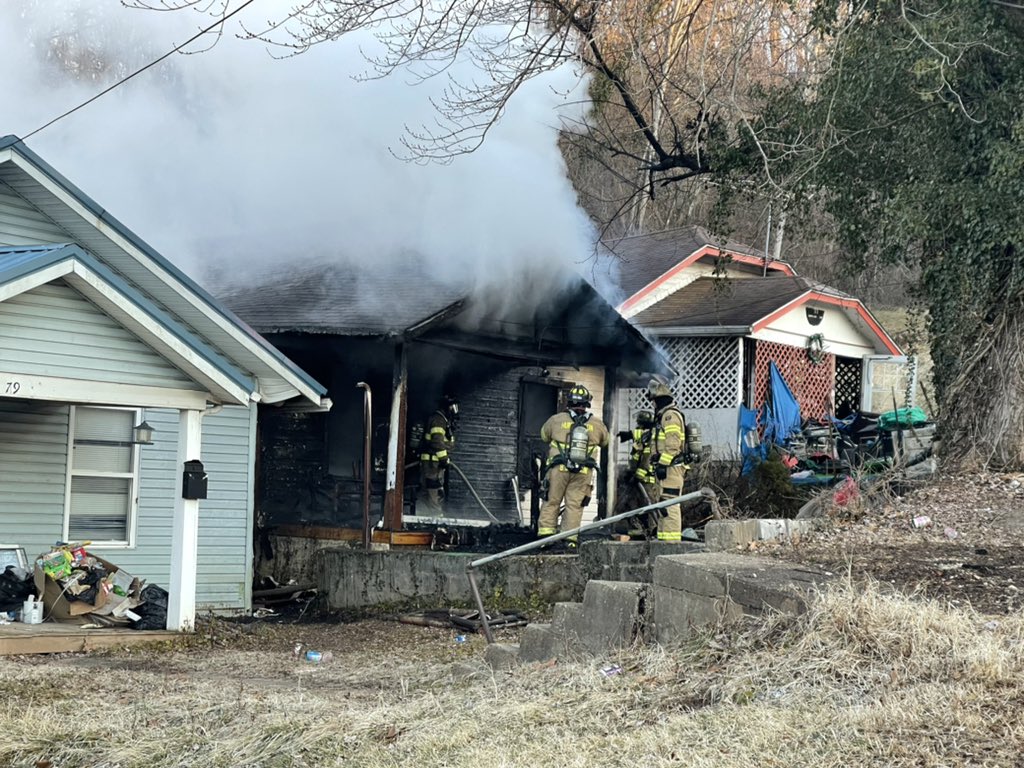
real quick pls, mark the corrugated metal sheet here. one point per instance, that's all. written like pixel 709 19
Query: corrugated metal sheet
pixel 33 473
pixel 23 224
pixel 53 331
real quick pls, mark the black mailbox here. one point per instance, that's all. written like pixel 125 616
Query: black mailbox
pixel 193 483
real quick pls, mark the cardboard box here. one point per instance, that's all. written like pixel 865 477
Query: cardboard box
pixel 59 608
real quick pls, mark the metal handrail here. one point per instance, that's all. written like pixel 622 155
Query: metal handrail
pixel 548 540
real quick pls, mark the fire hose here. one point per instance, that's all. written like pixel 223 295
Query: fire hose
pixel 469 485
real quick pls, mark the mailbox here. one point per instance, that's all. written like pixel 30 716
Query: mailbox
pixel 193 483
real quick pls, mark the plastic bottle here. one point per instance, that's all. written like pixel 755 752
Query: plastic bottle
pixel 319 657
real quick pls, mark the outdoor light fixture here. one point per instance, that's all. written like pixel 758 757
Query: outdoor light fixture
pixel 142 434
pixel 814 315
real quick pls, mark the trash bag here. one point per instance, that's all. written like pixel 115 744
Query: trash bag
pixel 153 610
pixel 16 586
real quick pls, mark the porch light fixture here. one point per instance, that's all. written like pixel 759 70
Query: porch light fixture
pixel 142 434
pixel 814 315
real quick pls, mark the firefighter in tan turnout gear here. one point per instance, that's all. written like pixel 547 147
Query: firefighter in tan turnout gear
pixel 637 485
pixel 573 438
pixel 438 440
pixel 668 453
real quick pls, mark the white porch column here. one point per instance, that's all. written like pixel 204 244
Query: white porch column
pixel 181 604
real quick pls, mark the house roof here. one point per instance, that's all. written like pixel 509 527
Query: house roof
pixel 716 306
pixel 709 302
pixel 151 275
pixel 643 259
pixel 23 268
pixel 394 297
pixel 379 299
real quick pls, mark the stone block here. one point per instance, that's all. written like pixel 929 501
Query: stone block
pixel 566 624
pixel 613 615
pixel 502 657
pixel 539 643
pixel 726 535
pixel 678 613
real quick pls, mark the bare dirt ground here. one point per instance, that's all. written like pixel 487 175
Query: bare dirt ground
pixel 970 551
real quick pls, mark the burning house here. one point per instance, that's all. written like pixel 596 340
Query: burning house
pixel 507 353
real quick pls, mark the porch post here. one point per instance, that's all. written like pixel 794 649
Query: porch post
pixel 181 604
pixel 394 489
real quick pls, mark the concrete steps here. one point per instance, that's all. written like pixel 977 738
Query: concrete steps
pixel 690 591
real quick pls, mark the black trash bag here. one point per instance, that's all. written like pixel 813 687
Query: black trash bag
pixel 153 610
pixel 15 589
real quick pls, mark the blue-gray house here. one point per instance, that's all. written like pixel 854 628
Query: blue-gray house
pixel 98 334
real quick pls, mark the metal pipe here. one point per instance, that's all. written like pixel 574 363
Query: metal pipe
pixel 480 606
pixel 367 435
pixel 540 543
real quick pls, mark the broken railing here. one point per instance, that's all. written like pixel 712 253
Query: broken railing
pixel 549 540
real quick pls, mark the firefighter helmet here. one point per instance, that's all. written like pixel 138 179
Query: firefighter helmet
pixel 658 388
pixel 579 396
pixel 644 419
pixel 450 404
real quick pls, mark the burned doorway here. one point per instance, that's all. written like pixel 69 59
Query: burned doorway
pixel 539 398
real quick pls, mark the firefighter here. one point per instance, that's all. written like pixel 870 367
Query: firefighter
pixel 638 486
pixel 573 438
pixel 668 457
pixel 438 440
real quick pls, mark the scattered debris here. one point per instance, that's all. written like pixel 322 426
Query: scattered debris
pixel 922 521
pixel 462 620
pixel 951 533
pixel 611 670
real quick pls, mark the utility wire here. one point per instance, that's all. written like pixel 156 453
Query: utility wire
pixel 139 71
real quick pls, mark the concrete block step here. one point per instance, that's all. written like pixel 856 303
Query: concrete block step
pixel 613 615
pixel 502 656
pixel 539 643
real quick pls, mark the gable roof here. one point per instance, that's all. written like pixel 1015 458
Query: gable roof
pixel 645 260
pixel 708 302
pixel 716 306
pixel 151 276
pixel 23 268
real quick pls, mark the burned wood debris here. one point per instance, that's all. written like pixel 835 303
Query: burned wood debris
pixel 463 620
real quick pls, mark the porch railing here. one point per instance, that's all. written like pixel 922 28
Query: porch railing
pixel 547 541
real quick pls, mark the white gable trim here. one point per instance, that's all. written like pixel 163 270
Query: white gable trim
pixel 121 309
pixel 298 387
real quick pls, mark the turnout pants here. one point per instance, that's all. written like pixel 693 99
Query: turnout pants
pixel 432 487
pixel 670 527
pixel 571 487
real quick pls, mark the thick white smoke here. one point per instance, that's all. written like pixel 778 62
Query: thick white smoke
pixel 233 161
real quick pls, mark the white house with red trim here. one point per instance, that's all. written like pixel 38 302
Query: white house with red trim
pixel 723 313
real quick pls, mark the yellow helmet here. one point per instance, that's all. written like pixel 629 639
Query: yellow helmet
pixel 578 396
pixel 658 388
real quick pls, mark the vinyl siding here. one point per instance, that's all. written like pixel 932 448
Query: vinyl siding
pixel 33 473
pixel 33 462
pixel 53 331
pixel 22 224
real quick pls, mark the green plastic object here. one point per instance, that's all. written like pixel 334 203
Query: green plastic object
pixel 902 417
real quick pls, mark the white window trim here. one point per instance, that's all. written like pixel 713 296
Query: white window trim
pixel 133 506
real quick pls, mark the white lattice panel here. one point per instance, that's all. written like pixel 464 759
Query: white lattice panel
pixel 709 372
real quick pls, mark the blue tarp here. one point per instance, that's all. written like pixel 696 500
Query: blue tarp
pixel 781 415
pixel 751 448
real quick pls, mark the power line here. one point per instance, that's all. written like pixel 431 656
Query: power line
pixel 139 71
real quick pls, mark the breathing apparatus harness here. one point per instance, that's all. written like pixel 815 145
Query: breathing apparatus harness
pixel 574 454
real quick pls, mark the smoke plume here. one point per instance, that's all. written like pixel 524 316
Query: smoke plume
pixel 232 162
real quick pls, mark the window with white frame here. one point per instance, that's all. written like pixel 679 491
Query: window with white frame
pixel 103 475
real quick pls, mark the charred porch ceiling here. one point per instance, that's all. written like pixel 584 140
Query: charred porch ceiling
pixel 412 337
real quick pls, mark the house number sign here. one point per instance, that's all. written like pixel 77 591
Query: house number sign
pixel 12 387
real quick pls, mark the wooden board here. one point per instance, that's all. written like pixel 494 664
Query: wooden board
pixel 53 637
pixel 395 538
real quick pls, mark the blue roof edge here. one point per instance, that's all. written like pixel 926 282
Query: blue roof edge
pixel 59 253
pixel 16 144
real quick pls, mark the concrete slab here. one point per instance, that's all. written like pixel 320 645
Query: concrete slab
pixel 726 535
pixel 678 614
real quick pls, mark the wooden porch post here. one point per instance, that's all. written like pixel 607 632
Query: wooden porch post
pixel 181 604
pixel 606 489
pixel 394 489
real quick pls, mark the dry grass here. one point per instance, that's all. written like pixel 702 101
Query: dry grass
pixel 865 678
